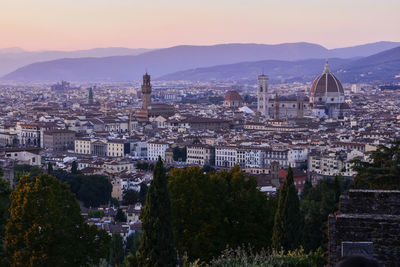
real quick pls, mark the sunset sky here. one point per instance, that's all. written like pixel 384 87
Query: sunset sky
pixel 83 24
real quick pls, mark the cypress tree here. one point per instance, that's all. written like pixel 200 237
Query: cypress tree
pixel 116 254
pixel 156 247
pixel 287 230
pixel 49 168
pixel 74 167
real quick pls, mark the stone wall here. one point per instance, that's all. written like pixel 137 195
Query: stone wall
pixel 367 216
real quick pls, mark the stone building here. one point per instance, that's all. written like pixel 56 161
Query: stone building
pixel 58 139
pixel 23 155
pixel 232 100
pixel 201 155
pixel 8 139
pixel 148 109
pixel 327 95
pixel 156 149
pixel 368 222
pixel 263 95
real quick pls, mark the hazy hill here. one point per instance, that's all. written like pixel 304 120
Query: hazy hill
pixel 378 68
pixel 363 50
pixel 246 72
pixel 14 57
pixel 181 58
pixel 160 62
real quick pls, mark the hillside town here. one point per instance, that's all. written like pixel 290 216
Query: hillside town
pixel 317 128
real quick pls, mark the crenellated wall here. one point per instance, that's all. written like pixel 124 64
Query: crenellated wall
pixel 367 216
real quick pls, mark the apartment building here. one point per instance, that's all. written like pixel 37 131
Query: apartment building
pixel 200 154
pixel 156 149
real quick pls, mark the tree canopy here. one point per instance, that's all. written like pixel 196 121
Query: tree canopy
pixel 92 190
pixel 4 204
pixel 215 210
pixel 287 233
pixel 382 172
pixel 156 247
pixel 46 228
pixel 316 204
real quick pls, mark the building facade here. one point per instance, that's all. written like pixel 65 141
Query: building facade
pixel 59 140
pixel 200 155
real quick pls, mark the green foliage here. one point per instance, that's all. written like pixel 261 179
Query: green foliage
pixel 5 191
pixel 120 216
pixel 288 226
pixel 45 227
pixel 306 189
pixel 143 193
pixel 208 168
pixel 316 205
pixel 383 172
pixel 96 214
pixel 133 242
pixel 211 211
pixel 92 190
pixel 114 202
pixel 156 247
pixel 179 154
pixel 130 261
pixel 26 170
pixel 49 168
pixel 74 167
pixel 116 253
pixel 241 257
pixel 145 166
pixel 130 197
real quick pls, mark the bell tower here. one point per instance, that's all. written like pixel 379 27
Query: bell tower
pixel 262 95
pixel 146 92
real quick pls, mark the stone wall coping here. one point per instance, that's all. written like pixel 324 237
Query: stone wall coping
pixel 373 191
pixel 367 216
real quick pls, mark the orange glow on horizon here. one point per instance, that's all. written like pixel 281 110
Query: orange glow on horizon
pixel 71 25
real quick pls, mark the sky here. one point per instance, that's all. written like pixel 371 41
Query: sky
pixel 85 24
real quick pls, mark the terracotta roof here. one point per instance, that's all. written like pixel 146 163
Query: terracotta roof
pixel 326 82
pixel 233 96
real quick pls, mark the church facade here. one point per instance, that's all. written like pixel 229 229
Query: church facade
pixel 326 99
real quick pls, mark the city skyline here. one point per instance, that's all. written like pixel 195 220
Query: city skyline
pixel 44 25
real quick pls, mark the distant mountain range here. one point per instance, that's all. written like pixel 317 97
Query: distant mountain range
pixel 282 62
pixel 14 57
pixel 379 68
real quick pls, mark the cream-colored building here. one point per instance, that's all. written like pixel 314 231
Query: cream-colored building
pixel 115 148
pixel 29 156
pixel 82 146
pixel 331 164
pixel 200 155
pixel 116 189
pixel 102 147
pixel 155 149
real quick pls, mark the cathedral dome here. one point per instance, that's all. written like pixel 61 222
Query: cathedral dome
pixel 326 86
pixel 233 99
pixel 233 96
